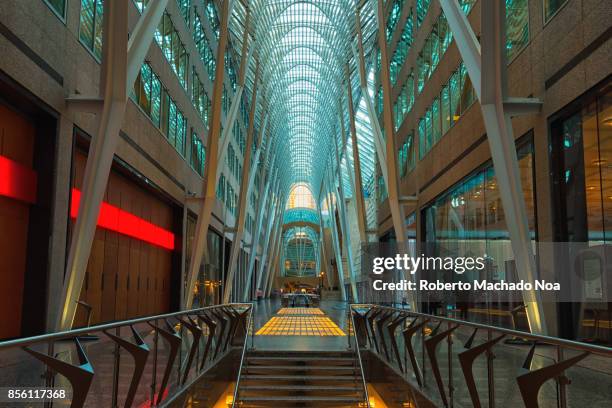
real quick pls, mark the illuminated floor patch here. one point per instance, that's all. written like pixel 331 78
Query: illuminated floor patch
pixel 300 326
pixel 301 311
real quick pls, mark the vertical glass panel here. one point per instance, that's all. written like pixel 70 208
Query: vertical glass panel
pixel 172 123
pixel 435 120
pixel 145 95
pixel 551 7
pixel 86 27
pixel 59 6
pixel 604 127
pixel 98 24
pixel 455 97
pixel 155 100
pixel 445 109
pixel 517 26
pixel 422 138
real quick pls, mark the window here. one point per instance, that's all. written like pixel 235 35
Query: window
pixel 213 17
pixel 155 101
pixel 434 48
pixel 406 156
pixel 381 190
pixel 198 154
pixel 469 218
pixel 174 124
pixel 184 7
pixel 173 49
pixel 404 102
pixel 517 26
pixel 221 188
pixel 396 12
pixel 206 53
pixel 401 51
pixel 90 27
pixel 551 7
pixel 58 6
pixel 201 101
pixel 421 6
pixel 456 96
pixel 301 197
pixel 147 93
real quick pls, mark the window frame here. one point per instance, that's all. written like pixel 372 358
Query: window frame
pixel 54 11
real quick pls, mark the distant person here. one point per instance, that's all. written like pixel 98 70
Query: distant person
pixel 259 294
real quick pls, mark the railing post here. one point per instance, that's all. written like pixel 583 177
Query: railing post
pixel 155 347
pixel 116 361
pixel 490 377
pixel 451 388
pixel 561 382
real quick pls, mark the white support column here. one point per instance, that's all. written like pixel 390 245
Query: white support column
pixel 261 207
pixel 276 233
pixel 245 184
pixel 379 141
pixel 344 227
pixel 272 218
pixel 122 59
pixel 336 242
pixel 210 181
pixel 487 70
pixel 274 259
pixel 357 182
pixel 326 259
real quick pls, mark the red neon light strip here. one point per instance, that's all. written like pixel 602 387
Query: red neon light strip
pixel 115 219
pixel 17 181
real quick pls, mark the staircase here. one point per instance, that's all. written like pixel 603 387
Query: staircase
pixel 300 379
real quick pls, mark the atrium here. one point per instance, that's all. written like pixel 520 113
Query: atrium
pixel 194 193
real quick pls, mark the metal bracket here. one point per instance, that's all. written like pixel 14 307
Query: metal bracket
pixel 212 326
pixel 196 332
pixel 139 350
pixel 466 359
pixel 408 334
pixel 80 376
pixel 174 341
pixel 391 329
pixel 431 345
pixel 531 382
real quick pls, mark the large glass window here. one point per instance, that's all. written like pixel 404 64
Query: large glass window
pixel 551 7
pixel 456 96
pixel 469 219
pixel 517 26
pixel 59 6
pixel 206 54
pixel 406 155
pixel 582 156
pixel 147 93
pixel 394 15
pixel 213 17
pixel 201 101
pixel 173 49
pixel 90 27
pixel 198 154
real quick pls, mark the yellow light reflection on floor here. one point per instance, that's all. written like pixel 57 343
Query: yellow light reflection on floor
pixel 300 311
pixel 300 326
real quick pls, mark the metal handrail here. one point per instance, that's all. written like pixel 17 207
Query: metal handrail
pixel 591 348
pixel 244 349
pixel 81 375
pixel 529 381
pixel 26 341
pixel 365 386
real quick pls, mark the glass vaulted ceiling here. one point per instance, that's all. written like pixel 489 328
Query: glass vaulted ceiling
pixel 304 48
